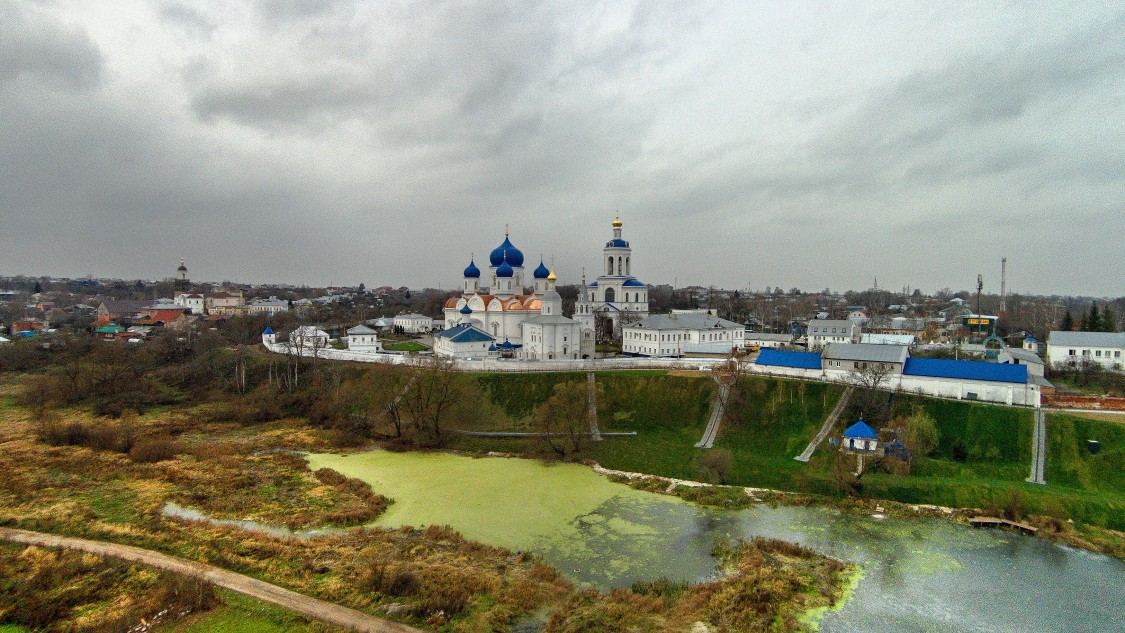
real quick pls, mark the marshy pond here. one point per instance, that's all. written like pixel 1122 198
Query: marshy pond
pixel 918 574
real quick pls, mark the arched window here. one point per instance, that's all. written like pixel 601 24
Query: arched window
pixel 610 296
pixel 627 266
pixel 495 328
pixel 609 266
pixel 619 265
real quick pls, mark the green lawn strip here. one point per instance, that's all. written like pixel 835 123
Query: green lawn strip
pixel 241 614
pixel 406 346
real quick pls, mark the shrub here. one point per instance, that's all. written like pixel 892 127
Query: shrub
pixel 714 466
pixel 153 449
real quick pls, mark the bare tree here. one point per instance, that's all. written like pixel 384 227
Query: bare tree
pixel 564 418
pixel 869 398
pixel 729 375
pixel 603 328
pixel 432 394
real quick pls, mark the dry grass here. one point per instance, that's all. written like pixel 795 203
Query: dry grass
pixel 52 590
pixel 432 577
pixel 770 585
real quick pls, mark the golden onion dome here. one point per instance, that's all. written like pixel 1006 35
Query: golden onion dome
pixel 617 222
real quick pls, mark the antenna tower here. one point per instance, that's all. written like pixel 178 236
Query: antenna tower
pixel 1003 285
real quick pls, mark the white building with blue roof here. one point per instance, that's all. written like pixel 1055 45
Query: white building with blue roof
pixel 504 304
pixel 464 340
pixel 616 293
pixel 531 321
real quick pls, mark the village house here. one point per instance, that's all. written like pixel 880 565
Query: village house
pixel 412 323
pixel 1075 349
pixel 824 331
pixel 269 306
pixel 1020 356
pixel 116 310
pixel 765 340
pixel 224 302
pixel 192 301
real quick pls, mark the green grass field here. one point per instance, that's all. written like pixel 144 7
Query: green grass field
pixel 406 346
pixel 239 614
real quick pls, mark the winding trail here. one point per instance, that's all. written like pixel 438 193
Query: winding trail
pixel 264 591
pixel 837 411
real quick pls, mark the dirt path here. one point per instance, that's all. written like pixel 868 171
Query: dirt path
pixel 298 603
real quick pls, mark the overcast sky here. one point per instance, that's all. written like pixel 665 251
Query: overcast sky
pixel 744 144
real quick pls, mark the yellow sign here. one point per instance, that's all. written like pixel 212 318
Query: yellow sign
pixel 979 322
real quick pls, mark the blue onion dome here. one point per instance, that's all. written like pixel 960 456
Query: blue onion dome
pixel 465 309
pixel 617 242
pixel 504 269
pixel 541 272
pixel 471 271
pixel 513 254
pixel 633 283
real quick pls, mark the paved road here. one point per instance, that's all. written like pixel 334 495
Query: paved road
pixel 264 591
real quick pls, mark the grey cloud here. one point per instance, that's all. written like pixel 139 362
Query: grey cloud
pixel 41 50
pixel 320 142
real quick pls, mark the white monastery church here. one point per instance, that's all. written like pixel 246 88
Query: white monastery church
pixel 506 318
pixel 616 293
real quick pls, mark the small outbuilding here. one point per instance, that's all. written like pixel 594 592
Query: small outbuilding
pixel 363 339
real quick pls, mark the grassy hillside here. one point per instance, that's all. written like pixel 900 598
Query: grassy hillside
pixel 779 418
pixel 982 458
pixel 668 413
pixel 519 394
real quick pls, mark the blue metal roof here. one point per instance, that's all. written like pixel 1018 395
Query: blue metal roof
pixel 471 271
pixel 506 251
pixel 268 330
pixel 465 333
pixel 465 309
pixel 504 269
pixel 593 284
pixel 541 272
pixel 783 358
pixel 965 370
pixel 633 283
pixel 861 431
pixel 618 242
